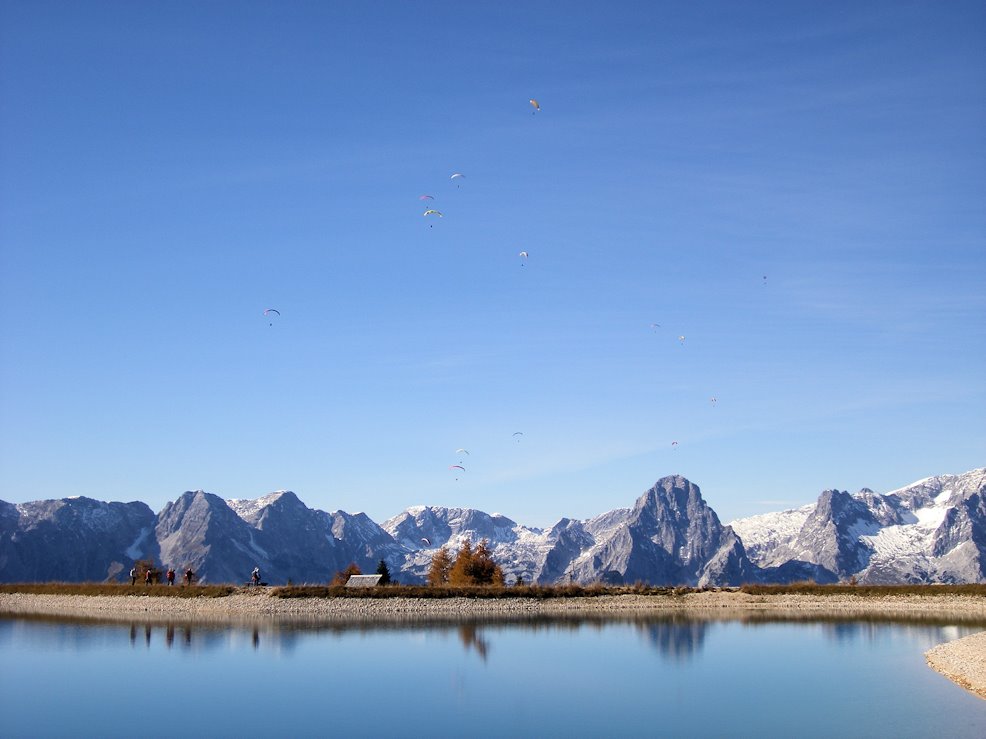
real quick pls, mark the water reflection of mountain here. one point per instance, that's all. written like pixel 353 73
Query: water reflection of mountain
pixel 676 639
pixel 860 631
pixel 930 629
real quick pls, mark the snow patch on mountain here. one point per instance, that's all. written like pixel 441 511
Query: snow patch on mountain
pixel 907 547
pixel 250 508
pixel 763 534
pixel 136 550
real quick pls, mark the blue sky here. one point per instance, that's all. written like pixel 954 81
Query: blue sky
pixel 170 170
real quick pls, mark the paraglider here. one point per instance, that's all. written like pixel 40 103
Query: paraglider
pixel 267 313
pixel 713 400
pixel 523 255
pixel 655 326
pixel 457 176
pixel 681 339
pixel 426 197
pixel 518 434
pixel 674 444
pixel 535 105
pixel 432 212
pixel 456 467
pixel 426 540
pixel 462 451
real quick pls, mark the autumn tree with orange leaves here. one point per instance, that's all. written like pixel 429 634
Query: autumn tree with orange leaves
pixel 471 566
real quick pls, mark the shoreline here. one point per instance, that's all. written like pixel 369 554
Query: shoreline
pixel 260 603
pixel 963 661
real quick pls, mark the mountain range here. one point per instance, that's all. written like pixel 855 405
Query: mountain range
pixel 931 531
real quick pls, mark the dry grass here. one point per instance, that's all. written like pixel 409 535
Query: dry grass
pixel 427 591
pixel 540 592
pixel 867 591
pixel 89 588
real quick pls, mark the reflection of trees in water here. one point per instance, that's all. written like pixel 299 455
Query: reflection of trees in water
pixel 677 639
pixel 471 638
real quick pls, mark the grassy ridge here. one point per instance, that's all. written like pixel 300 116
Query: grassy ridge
pixel 526 591
pixel 89 588
pixel 867 591
pixel 426 591
pixel 335 591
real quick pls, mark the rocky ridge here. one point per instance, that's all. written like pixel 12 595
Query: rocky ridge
pixel 931 531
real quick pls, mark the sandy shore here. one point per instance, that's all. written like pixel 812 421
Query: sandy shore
pixel 963 660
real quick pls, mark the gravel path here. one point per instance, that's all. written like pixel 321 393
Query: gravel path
pixel 963 660
pixel 257 603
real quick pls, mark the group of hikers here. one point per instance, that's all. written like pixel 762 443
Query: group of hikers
pixel 152 576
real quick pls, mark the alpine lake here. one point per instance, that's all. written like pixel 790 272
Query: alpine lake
pixel 546 677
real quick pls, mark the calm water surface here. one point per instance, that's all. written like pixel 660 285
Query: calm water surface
pixel 544 678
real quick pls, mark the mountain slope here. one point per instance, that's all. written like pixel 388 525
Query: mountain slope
pixel 73 539
pixel 931 531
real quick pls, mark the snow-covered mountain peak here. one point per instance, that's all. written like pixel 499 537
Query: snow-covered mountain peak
pixel 923 532
pixel 250 508
pixel 763 533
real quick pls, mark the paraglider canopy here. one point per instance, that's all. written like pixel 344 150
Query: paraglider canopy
pixel 534 104
pixel 432 212
pixel 267 314
pixel 426 197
